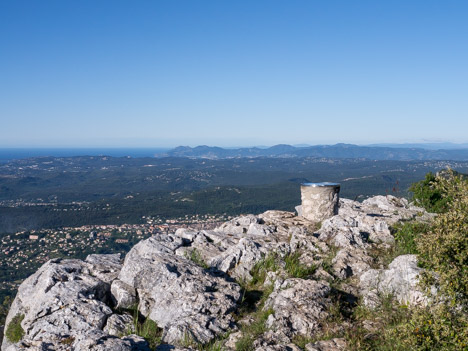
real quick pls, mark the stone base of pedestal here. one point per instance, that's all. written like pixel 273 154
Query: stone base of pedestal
pixel 319 200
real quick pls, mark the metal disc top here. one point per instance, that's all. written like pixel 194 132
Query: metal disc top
pixel 323 184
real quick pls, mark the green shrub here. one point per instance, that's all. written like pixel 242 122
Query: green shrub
pixel 429 194
pixel 417 329
pixel 444 248
pixel 14 331
pixel 406 235
pixel 439 327
pixel 385 318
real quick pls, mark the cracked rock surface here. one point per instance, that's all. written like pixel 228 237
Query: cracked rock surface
pixel 400 280
pixel 298 306
pixel 181 297
pixel 65 305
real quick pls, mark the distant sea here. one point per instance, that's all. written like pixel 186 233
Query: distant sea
pixel 8 154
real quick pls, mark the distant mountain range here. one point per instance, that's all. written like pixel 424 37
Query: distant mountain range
pixel 371 152
pixel 428 146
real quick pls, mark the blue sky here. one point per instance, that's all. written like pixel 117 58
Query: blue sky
pixel 232 73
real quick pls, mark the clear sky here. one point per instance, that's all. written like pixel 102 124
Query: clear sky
pixel 232 73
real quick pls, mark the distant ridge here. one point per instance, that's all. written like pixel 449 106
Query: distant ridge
pixel 370 152
pixel 427 146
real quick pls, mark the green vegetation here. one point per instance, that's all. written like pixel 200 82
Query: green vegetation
pixel 406 235
pixel 273 262
pixel 301 341
pixel 295 269
pixel 429 194
pixel 14 331
pixel 259 271
pixel 392 326
pixel 254 329
pixel 327 264
pixel 149 330
pixel 110 190
pixel 143 326
pixel 4 306
pixel 375 329
pixel 197 258
pixel 255 294
pixel 439 327
pixel 214 345
pixel 444 248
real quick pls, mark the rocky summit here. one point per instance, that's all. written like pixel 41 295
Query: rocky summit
pixel 273 278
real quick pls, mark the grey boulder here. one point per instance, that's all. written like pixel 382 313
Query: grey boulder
pixel 184 299
pixel 401 280
pixel 64 306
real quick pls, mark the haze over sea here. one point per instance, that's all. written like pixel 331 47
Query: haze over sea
pixel 7 154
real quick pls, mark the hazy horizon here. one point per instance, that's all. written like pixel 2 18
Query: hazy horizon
pixel 144 151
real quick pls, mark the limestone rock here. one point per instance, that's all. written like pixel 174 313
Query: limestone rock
pixel 249 224
pixel 351 261
pixel 123 295
pixel 231 341
pixel 201 244
pixel 386 203
pixel 168 347
pixel 302 239
pixel 401 280
pixel 104 267
pixel 239 259
pixel 361 226
pixel 108 343
pixel 64 306
pixel 299 307
pixel 336 344
pixel 119 325
pixel 93 342
pixel 289 347
pixel 181 297
pixel 269 342
pixel 298 210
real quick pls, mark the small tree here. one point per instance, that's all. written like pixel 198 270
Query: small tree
pixel 429 194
